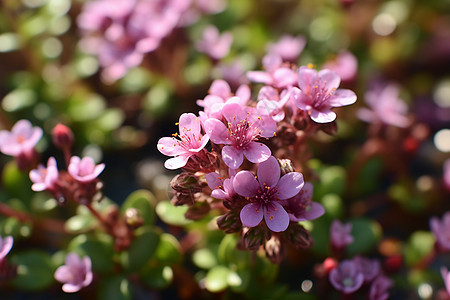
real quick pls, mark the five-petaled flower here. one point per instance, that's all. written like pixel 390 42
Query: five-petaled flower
pixel 20 140
pixel 75 274
pixel 85 169
pixel 264 192
pixel 441 231
pixel 45 178
pixel 347 277
pixel 239 135
pixel 340 234
pixel 319 92
pixel 190 142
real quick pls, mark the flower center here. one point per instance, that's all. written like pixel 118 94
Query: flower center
pixel 242 133
pixel 348 282
pixel 320 94
pixel 266 194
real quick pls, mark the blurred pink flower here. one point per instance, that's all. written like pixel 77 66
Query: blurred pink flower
pixel 85 169
pixel 446 175
pixel 340 234
pixel 441 230
pixel 319 93
pixel 345 65
pixel 301 207
pixel 6 244
pixel 385 107
pixel 346 277
pixel 276 74
pixel 190 143
pixel 214 44
pixel 75 274
pixel 45 178
pixel 379 288
pixel 370 268
pixel 20 140
pixel 288 47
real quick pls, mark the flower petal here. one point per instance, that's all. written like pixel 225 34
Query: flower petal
pixel 245 184
pixel 217 131
pixel 257 152
pixel 176 162
pixel 170 146
pixel 329 79
pixel 324 116
pixel 259 76
pixel 289 185
pixel 277 219
pixel 251 214
pixel 269 172
pixel 189 124
pixel 232 157
pixel 306 78
pixel 342 97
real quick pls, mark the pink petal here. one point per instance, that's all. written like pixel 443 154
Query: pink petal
pixel 189 124
pixel 232 157
pixel 63 274
pixel 260 76
pixel 284 77
pixel 220 88
pixel 170 146
pixel 289 185
pixel 257 152
pixel 245 184
pixel 213 181
pixel 234 113
pixel 324 116
pixel 71 288
pixel 306 78
pixel 277 219
pixel 5 246
pixel 269 172
pixel 176 162
pixel 217 131
pixel 342 97
pixel 251 214
pixel 329 79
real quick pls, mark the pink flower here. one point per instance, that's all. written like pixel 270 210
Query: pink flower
pixel 75 274
pixel 441 230
pixel 214 44
pixel 370 268
pixel 446 277
pixel 269 102
pixel 190 143
pixel 340 234
pixel 385 107
pixel 45 178
pixel 85 169
pixel 239 135
pixel 20 140
pixel 288 47
pixel 301 207
pixel 219 95
pixel 346 278
pixel 265 194
pixel 276 74
pixel 222 188
pixel 319 93
pixel 379 288
pixel 6 244
pixel 345 65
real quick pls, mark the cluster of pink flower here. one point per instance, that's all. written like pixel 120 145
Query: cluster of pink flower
pixel 121 32
pixel 79 183
pixel 249 173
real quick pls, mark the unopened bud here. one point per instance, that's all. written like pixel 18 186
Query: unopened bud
pixel 230 222
pixel 133 218
pixel 274 249
pixel 298 236
pixel 286 166
pixel 185 186
pixel 62 136
pixel 254 237
pixel 197 211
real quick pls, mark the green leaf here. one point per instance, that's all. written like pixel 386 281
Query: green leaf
pixel 172 215
pixel 19 99
pixel 366 233
pixel 141 249
pixel 144 201
pixel 204 258
pixel 228 253
pixel 15 182
pixel 80 223
pixel 216 279
pixel 168 250
pixel 115 288
pixel 157 277
pixel 98 247
pixel 34 270
pixel 419 245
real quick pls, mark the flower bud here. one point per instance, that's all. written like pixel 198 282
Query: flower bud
pixel 254 237
pixel 274 249
pixel 298 236
pixel 62 136
pixel 230 222
pixel 133 218
pixel 286 166
pixel 197 211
